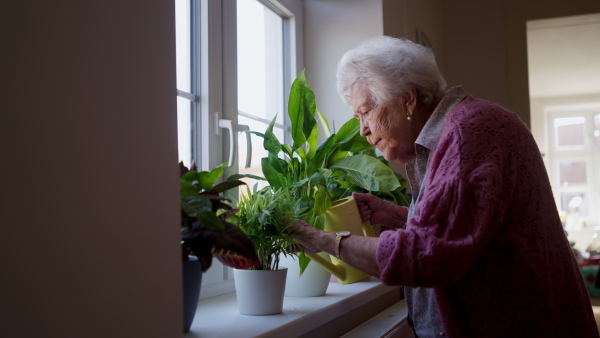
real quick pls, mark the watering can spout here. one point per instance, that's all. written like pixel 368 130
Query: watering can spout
pixel 344 215
pixel 336 270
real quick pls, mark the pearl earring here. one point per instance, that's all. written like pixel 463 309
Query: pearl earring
pixel 408 117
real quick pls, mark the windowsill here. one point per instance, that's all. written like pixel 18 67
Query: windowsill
pixel 341 309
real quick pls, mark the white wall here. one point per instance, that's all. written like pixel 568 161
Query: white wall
pixel 89 180
pixel 332 27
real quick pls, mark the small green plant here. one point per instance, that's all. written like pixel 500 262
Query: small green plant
pixel 265 216
pixel 205 231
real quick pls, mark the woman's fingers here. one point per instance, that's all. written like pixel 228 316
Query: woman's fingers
pixel 304 237
pixel 363 205
pixel 378 211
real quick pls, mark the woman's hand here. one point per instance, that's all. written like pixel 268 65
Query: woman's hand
pixel 358 251
pixel 380 212
pixel 312 240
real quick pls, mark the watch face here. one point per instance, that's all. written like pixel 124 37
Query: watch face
pixel 343 233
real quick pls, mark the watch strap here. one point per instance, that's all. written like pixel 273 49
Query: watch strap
pixel 338 239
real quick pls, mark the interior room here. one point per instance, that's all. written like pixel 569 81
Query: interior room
pixel 90 94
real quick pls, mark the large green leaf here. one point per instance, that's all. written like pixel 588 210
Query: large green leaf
pixel 318 178
pixel 228 185
pixel 287 150
pixel 206 179
pixel 301 153
pixel 200 208
pixel 278 164
pixel 240 176
pixel 322 201
pixel 303 260
pixel 193 182
pixel 275 178
pixel 210 220
pixel 299 183
pixel 322 152
pixel 324 123
pixel 347 132
pixel 369 173
pixel 196 204
pixel 301 110
pixel 271 143
pixel 360 144
pixel 312 143
pixel 336 156
pixel 187 187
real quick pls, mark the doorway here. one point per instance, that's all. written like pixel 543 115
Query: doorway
pixel 563 57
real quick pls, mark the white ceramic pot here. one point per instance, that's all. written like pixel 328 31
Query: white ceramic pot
pixel 260 292
pixel 313 282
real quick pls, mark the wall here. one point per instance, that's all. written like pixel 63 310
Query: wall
pixel 403 19
pixel 89 213
pixel 332 27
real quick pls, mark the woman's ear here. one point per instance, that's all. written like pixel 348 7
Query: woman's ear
pixel 411 102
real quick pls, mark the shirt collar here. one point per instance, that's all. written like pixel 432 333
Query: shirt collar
pixel 430 135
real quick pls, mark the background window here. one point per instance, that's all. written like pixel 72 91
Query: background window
pixel 574 165
pixel 569 132
pixel 572 173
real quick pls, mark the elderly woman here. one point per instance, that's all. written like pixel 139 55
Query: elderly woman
pixel 481 251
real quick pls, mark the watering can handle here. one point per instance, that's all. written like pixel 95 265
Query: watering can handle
pixel 367 229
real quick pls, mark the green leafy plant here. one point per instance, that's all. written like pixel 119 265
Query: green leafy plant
pixel 265 216
pixel 205 231
pixel 318 175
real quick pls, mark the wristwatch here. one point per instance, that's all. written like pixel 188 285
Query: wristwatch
pixel 338 239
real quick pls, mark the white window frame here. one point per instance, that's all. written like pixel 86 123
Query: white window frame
pixel 584 154
pixel 214 91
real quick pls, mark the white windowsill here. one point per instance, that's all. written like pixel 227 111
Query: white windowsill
pixel 341 309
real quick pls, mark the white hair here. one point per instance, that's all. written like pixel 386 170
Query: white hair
pixel 390 68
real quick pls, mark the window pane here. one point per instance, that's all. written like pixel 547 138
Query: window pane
pixel 260 60
pixel 258 151
pixel 569 131
pixel 260 77
pixel 572 173
pixel 183 44
pixel 184 130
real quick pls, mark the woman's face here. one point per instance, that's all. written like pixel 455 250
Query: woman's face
pixel 385 127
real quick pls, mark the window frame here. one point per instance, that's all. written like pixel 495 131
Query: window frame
pixel 585 154
pixel 213 93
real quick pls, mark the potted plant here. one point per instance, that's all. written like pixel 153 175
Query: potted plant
pixel 205 231
pixel 320 174
pixel 265 216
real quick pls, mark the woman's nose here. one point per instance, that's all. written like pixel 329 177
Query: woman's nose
pixel 364 127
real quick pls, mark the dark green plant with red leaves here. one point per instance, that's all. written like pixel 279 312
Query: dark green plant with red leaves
pixel 205 231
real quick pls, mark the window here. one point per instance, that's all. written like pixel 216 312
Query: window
pixel 235 63
pixel 185 98
pixel 574 163
pixel 261 76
